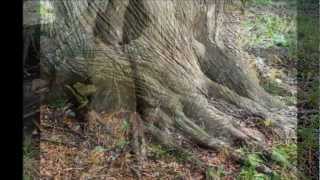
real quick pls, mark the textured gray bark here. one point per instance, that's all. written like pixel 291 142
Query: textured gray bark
pixel 175 62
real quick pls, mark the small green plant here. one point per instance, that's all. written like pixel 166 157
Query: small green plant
pixel 262 2
pixel 25 177
pixel 271 31
pixel 159 152
pixel 274 87
pixel 249 171
pixel 215 173
pixel 28 149
pixel 309 33
pixel 181 157
pixel 29 159
pixel 314 95
pixel 43 10
pixel 57 103
pixel 122 143
pixel 282 155
pixel 309 141
pixel 212 174
pixel 99 149
pixel 289 151
pixel 125 126
pixel 253 160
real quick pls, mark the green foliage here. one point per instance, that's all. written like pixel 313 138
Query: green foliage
pixel 262 2
pixel 29 162
pixel 274 87
pixel 99 149
pixel 26 177
pixel 160 152
pixel 285 153
pixel 253 160
pixel 219 171
pixel 214 173
pixel 125 126
pixel 122 143
pixel 44 10
pixel 256 2
pixel 309 34
pixel 28 149
pixel 57 103
pixel 279 157
pixel 181 156
pixel 314 95
pixel 282 154
pixel 309 133
pixel 249 173
pixel 268 31
pixel 309 138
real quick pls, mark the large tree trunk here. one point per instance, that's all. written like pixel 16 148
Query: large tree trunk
pixel 174 62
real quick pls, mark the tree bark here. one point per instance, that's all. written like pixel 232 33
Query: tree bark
pixel 174 62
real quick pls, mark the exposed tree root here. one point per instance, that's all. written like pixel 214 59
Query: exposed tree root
pixel 170 64
pixel 167 140
pixel 137 137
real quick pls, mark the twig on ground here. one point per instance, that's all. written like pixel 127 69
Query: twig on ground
pixel 29 114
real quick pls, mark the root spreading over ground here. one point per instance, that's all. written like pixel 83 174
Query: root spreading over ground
pixel 175 71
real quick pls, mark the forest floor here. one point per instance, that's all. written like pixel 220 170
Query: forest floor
pixel 70 149
pixel 73 150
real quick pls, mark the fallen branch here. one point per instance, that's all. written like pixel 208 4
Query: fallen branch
pixel 27 115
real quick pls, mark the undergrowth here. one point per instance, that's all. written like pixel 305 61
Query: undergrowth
pixel 270 31
pixel 30 162
pixel 162 152
pixel 57 103
pixel 283 154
